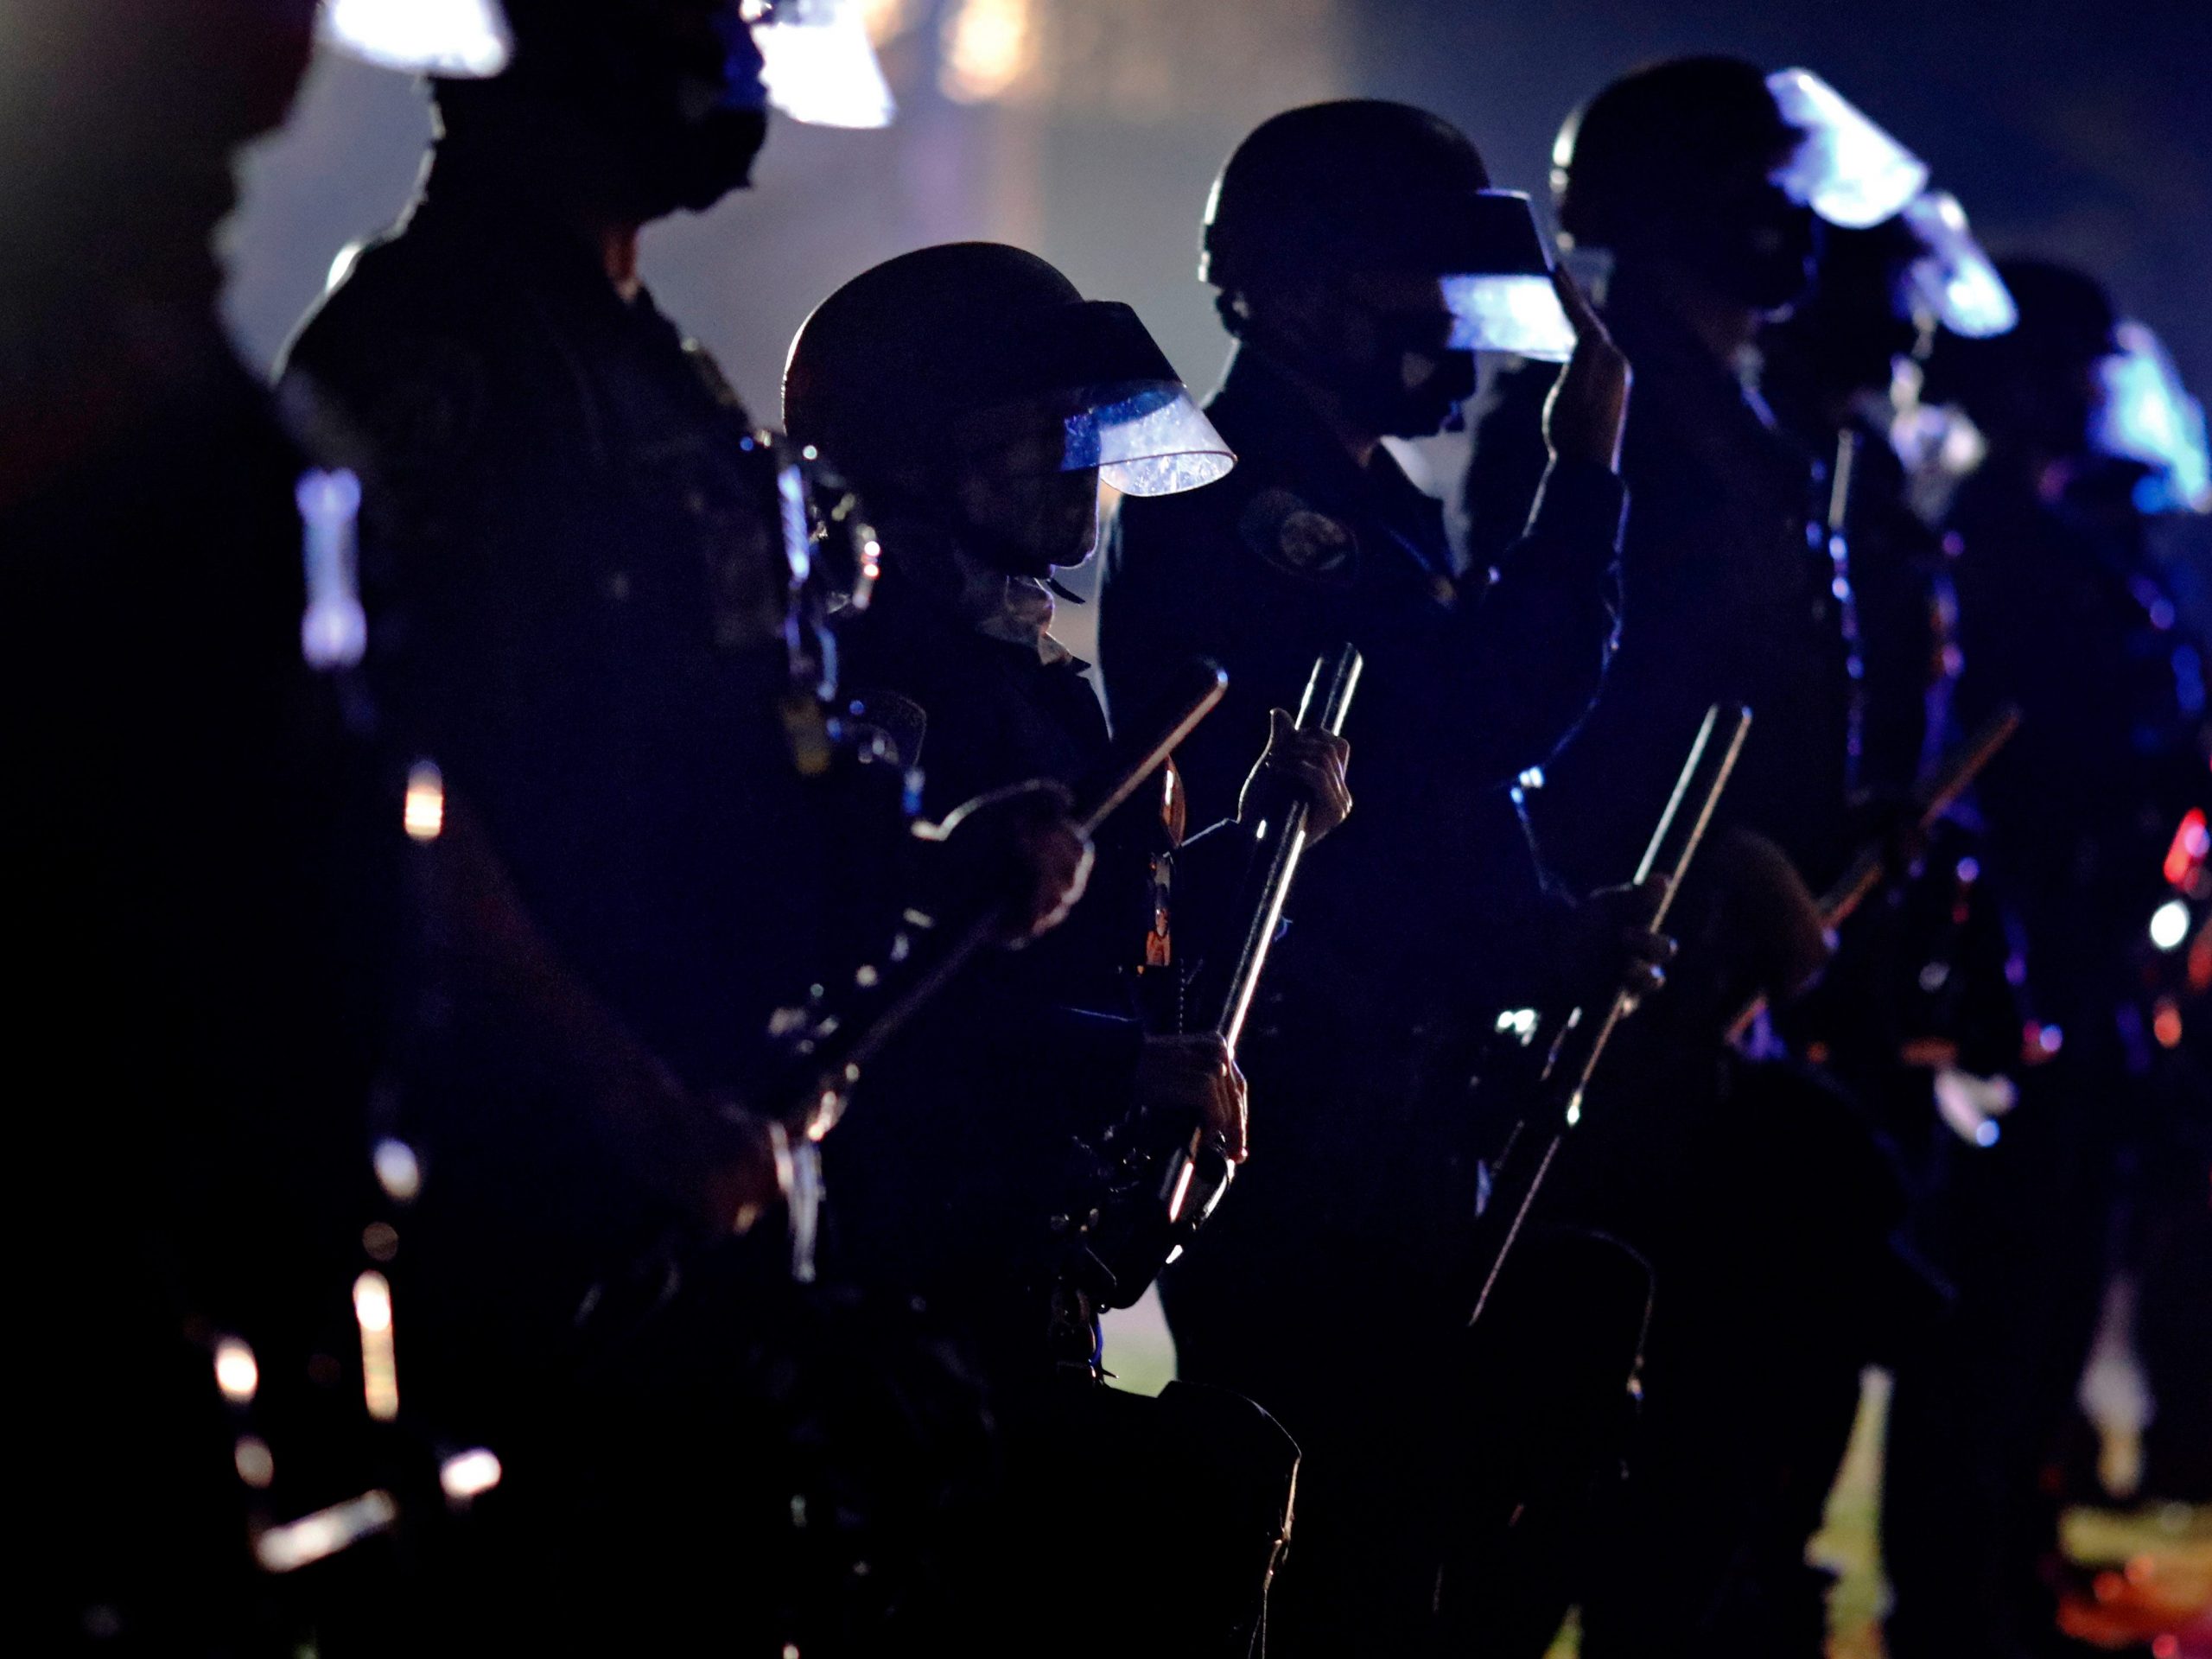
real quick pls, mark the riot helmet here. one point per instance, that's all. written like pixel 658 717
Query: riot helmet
pixel 1381 218
pixel 972 382
pixel 676 93
pixel 1683 163
pixel 1953 282
pixel 1848 170
pixel 1861 316
pixel 2040 388
pixel 1882 293
pixel 2148 417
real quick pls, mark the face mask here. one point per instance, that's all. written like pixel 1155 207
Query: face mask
pixel 1757 246
pixel 1420 400
pixel 1384 347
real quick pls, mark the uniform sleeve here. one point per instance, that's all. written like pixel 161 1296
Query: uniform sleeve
pixel 1543 630
pixel 566 1084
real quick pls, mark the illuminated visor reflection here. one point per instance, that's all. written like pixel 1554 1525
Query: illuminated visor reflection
pixel 816 64
pixel 1518 314
pixel 460 40
pixel 1147 438
pixel 2148 415
pixel 1955 280
pixel 1848 170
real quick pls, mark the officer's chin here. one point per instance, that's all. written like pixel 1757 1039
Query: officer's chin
pixel 711 158
pixel 1421 418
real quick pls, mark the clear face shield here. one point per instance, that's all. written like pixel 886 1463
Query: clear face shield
pixel 2147 415
pixel 811 59
pixel 1111 404
pixel 1954 280
pixel 1502 299
pixel 1848 170
pixel 456 40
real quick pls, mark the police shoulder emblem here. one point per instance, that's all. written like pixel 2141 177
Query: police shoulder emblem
pixel 1294 537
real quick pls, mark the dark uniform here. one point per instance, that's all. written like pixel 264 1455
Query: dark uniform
pixel 1728 595
pixel 575 547
pixel 1731 594
pixel 1324 1285
pixel 203 927
pixel 952 1167
pixel 202 851
pixel 983 1169
pixel 2059 612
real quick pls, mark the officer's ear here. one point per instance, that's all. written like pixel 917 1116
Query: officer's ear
pixel 1304 318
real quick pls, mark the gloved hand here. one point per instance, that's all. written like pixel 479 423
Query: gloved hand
pixel 1307 766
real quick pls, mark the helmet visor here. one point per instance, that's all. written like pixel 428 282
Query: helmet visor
pixel 1954 280
pixel 1499 290
pixel 816 64
pixel 1147 437
pixel 1518 314
pixel 458 40
pixel 2149 417
pixel 1144 437
pixel 1847 169
pixel 1084 384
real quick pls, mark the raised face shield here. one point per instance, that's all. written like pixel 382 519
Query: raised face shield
pixel 1105 398
pixel 1847 169
pixel 815 62
pixel 1502 298
pixel 456 40
pixel 1954 280
pixel 2147 415
pixel 811 59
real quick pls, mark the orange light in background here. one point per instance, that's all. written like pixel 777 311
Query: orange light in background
pixel 886 20
pixel 424 811
pixel 989 45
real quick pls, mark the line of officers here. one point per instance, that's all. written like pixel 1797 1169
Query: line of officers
pixel 426 1237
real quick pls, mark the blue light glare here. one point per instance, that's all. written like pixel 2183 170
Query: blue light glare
pixel 1145 438
pixel 817 64
pixel 334 628
pixel 1848 170
pixel 460 40
pixel 1518 314
pixel 2149 417
pixel 1955 280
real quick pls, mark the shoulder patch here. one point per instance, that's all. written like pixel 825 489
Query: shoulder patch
pixel 1294 538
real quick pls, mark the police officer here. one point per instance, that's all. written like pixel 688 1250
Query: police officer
pixel 1341 238
pixel 205 944
pixel 651 842
pixel 978 400
pixel 1683 180
pixel 2060 611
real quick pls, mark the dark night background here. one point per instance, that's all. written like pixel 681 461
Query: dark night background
pixel 1090 129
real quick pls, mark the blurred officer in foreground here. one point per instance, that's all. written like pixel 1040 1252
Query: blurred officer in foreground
pixel 202 994
pixel 2061 611
pixel 1919 986
pixel 1361 260
pixel 978 400
pixel 610 637
pixel 1762 1199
